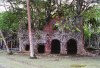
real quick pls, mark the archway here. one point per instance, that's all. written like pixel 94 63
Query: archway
pixel 27 47
pixel 55 46
pixel 71 47
pixel 41 48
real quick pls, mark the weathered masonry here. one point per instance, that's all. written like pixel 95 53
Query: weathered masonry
pixel 53 41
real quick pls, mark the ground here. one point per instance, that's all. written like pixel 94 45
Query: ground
pixel 47 61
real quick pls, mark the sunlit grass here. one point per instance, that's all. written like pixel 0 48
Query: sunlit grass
pixel 47 61
pixel 77 65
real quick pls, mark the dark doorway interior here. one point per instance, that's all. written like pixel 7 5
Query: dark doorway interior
pixel 41 48
pixel 27 47
pixel 9 44
pixel 55 46
pixel 71 47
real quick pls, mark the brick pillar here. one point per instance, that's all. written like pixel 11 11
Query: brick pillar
pixel 63 48
pixel 80 48
pixel 48 47
pixel 21 47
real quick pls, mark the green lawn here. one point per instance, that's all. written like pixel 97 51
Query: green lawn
pixel 47 61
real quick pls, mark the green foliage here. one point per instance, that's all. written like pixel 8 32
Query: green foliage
pixel 38 14
pixel 68 10
pixel 90 29
pixel 8 21
pixel 93 12
pixel 91 21
pixel 41 24
pixel 87 31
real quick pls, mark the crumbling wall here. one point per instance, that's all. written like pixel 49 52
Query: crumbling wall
pixel 46 38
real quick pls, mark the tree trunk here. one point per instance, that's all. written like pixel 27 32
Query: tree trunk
pixel 5 43
pixel 32 52
pixel 48 10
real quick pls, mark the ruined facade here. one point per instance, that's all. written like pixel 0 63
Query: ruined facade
pixel 53 41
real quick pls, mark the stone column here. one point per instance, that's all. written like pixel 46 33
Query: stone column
pixel 48 47
pixel 21 46
pixel 80 48
pixel 63 48
pixel 48 44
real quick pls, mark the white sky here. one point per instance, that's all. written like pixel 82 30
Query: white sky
pixel 2 8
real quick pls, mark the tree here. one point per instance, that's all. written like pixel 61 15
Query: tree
pixel 8 23
pixel 32 54
pixel 44 10
pixel 92 24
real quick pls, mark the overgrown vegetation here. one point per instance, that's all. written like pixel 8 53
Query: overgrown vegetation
pixel 42 12
pixel 8 21
pixel 92 25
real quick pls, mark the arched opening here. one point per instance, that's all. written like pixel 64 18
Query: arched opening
pixel 9 44
pixel 41 48
pixel 71 47
pixel 27 47
pixel 55 46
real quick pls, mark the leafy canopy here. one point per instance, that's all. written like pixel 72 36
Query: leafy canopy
pixel 8 21
pixel 92 21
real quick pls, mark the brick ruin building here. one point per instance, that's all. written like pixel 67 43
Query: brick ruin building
pixel 54 41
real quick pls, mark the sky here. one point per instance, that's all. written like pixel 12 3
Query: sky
pixel 2 8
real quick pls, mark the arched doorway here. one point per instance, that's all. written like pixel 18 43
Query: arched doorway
pixel 72 47
pixel 41 48
pixel 55 46
pixel 27 47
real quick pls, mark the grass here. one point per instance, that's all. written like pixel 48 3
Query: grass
pixel 77 66
pixel 47 61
